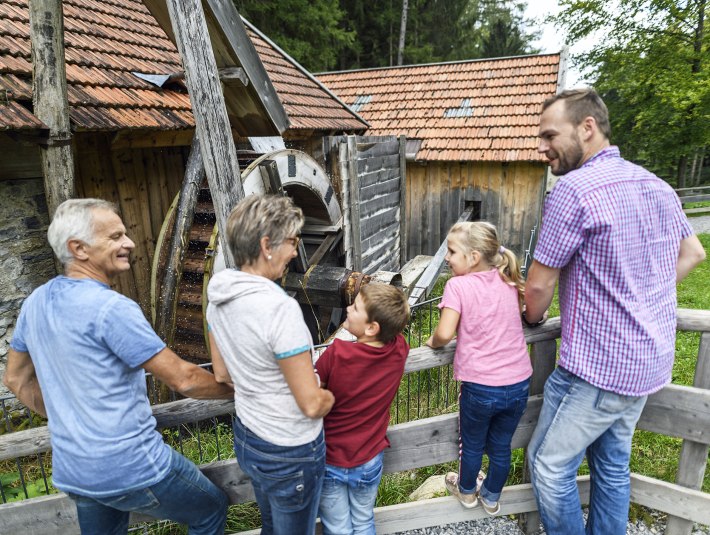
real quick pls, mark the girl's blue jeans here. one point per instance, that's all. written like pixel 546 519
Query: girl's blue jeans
pixel 347 501
pixel 488 417
pixel 578 418
pixel 287 480
pixel 185 495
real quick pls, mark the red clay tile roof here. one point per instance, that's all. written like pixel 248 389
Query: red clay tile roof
pixel 107 40
pixel 308 103
pixel 483 110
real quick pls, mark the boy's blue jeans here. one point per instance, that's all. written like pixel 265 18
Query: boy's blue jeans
pixel 488 417
pixel 185 495
pixel 578 417
pixel 348 498
pixel 287 480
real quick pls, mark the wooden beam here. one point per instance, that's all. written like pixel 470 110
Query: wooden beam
pixel 208 106
pixel 354 192
pixel 254 109
pixel 428 279
pixel 403 254
pixel 49 98
pixel 179 241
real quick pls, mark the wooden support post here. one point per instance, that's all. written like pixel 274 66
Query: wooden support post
pixel 179 240
pixel 542 355
pixel 49 97
pixel 693 455
pixel 354 191
pixel 208 106
pixel 428 279
pixel 402 201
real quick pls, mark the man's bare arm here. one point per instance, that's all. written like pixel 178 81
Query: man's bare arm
pixel 21 378
pixel 539 290
pixel 690 254
pixel 186 378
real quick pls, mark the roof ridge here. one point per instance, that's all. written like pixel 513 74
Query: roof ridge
pixel 457 62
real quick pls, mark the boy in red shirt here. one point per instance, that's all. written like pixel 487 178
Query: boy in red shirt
pixel 364 377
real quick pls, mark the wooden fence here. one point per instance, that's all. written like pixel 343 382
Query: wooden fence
pixel 696 194
pixel 678 411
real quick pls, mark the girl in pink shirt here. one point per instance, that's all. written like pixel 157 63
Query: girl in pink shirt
pixel 482 304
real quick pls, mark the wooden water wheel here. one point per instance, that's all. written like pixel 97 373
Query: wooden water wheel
pixel 316 278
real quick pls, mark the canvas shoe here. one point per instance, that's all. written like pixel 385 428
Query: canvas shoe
pixel 492 508
pixel 469 501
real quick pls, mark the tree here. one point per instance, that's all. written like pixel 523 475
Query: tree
pixel 310 31
pixel 652 69
pixel 352 34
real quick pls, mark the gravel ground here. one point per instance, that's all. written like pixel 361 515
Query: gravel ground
pixel 701 225
pixel 507 526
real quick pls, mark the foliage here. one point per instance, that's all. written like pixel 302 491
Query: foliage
pixel 308 30
pixel 12 487
pixel 651 68
pixel 352 34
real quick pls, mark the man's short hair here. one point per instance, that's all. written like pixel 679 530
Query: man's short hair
pixel 388 306
pixel 583 103
pixel 74 220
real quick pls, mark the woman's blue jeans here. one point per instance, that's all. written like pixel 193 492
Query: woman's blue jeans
pixel 185 495
pixel 347 501
pixel 577 417
pixel 488 417
pixel 287 480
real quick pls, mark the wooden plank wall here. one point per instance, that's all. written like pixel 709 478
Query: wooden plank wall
pixel 19 160
pixel 509 196
pixel 367 174
pixel 143 182
pixel 377 162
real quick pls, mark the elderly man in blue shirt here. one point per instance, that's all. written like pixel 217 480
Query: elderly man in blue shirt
pixel 78 355
pixel 616 237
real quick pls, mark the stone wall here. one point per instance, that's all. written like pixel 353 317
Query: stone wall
pixel 26 260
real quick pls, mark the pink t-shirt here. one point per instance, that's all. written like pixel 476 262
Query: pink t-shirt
pixel 490 346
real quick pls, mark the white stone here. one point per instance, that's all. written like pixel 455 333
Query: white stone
pixel 433 487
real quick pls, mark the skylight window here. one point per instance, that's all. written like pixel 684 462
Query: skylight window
pixel 360 102
pixel 465 110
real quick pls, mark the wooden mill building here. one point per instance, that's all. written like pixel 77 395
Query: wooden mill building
pixel 471 129
pixel 131 129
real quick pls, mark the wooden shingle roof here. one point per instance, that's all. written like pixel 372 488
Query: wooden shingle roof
pixel 482 110
pixel 106 41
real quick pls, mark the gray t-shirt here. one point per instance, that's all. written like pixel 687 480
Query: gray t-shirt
pixel 255 325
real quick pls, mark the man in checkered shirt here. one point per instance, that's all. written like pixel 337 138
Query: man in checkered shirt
pixel 616 237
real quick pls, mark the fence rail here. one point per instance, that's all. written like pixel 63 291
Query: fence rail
pixel 678 411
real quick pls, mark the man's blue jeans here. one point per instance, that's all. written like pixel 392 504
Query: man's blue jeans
pixel 347 501
pixel 578 417
pixel 185 495
pixel 287 480
pixel 488 417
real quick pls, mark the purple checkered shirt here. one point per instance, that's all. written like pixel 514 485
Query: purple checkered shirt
pixel 614 230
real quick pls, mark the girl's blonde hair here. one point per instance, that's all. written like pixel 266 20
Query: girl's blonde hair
pixel 481 236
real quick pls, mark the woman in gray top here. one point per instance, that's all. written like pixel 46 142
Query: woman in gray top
pixel 260 343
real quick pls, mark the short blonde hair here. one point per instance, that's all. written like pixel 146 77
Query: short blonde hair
pixel 388 306
pixel 482 236
pixel 258 216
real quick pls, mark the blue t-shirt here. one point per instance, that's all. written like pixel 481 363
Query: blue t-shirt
pixel 87 343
